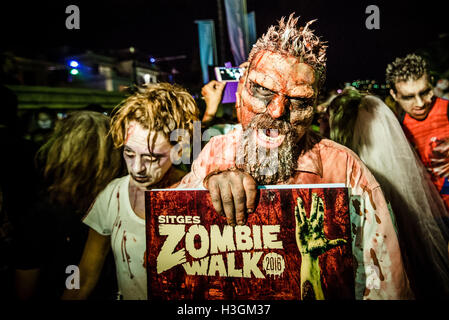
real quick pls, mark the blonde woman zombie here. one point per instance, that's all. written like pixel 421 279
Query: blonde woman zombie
pixel 142 128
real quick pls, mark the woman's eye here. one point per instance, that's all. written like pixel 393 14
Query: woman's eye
pixel 129 154
pixel 151 158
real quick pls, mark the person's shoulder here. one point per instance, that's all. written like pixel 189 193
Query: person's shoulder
pixel 328 145
pixel 113 186
pixel 218 154
pixel 443 99
pixel 235 132
pixel 117 182
pixel 225 141
pixel 339 156
pixel 373 99
pixel 108 196
pixel 442 102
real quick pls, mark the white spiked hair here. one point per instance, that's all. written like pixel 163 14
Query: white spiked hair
pixel 298 42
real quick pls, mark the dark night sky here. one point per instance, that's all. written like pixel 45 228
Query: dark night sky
pixel 167 28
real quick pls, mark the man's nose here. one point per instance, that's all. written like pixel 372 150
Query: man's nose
pixel 276 107
pixel 419 101
pixel 138 166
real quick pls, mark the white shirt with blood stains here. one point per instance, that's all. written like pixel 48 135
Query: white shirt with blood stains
pixel 112 215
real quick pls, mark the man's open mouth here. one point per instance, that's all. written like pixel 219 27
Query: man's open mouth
pixel 420 111
pixel 268 138
pixel 140 179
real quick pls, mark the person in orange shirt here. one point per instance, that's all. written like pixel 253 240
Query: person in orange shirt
pixel 366 125
pixel 275 106
pixel 425 117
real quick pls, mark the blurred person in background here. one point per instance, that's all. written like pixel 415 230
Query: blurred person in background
pixel 425 117
pixel 41 125
pixel 366 125
pixel 77 162
pixel 441 89
pixel 18 183
pixel 323 114
pixel 212 94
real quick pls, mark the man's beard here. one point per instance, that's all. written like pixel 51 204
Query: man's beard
pixel 268 166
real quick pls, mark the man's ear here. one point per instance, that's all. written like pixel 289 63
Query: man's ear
pixel 238 96
pixel 393 94
pixel 238 107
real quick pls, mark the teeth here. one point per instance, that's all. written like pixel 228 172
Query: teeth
pixel 270 139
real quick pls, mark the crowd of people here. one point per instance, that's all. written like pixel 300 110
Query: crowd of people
pixel 79 199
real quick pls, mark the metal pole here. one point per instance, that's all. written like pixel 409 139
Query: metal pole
pixel 221 32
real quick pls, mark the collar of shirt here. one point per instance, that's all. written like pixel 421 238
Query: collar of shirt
pixel 310 158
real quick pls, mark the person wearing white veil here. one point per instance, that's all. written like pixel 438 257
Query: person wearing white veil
pixel 365 124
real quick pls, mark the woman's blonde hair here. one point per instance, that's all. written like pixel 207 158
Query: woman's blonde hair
pixel 158 107
pixel 79 159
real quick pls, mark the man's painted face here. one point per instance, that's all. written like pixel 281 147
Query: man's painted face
pixel 280 86
pixel 275 105
pixel 147 164
pixel 414 96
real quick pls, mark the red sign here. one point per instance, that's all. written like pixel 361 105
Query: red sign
pixel 296 246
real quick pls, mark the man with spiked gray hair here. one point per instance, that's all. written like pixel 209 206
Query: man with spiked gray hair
pixel 275 105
